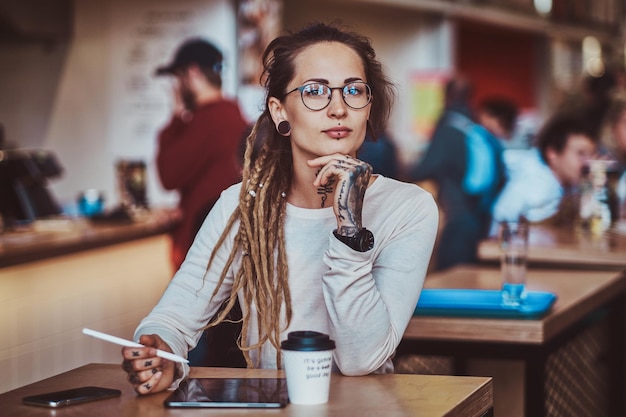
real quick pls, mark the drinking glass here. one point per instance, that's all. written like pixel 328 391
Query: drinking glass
pixel 513 239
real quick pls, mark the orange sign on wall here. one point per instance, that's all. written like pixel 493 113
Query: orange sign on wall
pixel 427 101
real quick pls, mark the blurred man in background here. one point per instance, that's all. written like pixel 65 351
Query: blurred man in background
pixel 198 148
pixel 381 153
pixel 540 177
pixel 198 156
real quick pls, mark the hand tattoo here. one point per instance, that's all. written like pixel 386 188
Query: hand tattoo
pixel 325 190
pixel 350 199
pixel 343 208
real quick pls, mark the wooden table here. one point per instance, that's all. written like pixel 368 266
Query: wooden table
pixel 390 395
pixel 568 247
pixel 585 298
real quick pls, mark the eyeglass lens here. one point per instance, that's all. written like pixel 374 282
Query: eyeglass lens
pixel 317 96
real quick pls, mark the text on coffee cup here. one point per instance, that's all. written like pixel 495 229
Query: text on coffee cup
pixel 318 367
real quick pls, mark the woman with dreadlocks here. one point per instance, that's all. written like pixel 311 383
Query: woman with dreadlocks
pixel 310 239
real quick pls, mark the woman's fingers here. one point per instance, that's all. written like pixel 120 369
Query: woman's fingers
pixel 143 372
pixel 140 377
pixel 147 386
pixel 323 160
pixel 138 354
pixel 347 179
pixel 336 165
pixel 147 372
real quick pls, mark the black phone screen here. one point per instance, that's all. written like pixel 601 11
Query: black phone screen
pixel 71 396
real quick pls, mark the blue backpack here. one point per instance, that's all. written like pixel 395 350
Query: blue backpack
pixel 485 173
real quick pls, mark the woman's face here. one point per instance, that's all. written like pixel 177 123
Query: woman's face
pixel 337 128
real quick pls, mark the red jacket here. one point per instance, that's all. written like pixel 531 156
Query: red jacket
pixel 199 157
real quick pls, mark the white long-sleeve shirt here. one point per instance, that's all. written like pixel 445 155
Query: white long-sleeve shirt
pixel 362 300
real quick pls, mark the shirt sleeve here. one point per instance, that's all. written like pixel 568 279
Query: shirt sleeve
pixel 184 309
pixel 510 204
pixel 532 190
pixel 371 297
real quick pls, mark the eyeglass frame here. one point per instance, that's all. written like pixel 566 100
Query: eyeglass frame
pixel 330 97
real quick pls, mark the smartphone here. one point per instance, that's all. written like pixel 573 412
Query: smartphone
pixel 71 396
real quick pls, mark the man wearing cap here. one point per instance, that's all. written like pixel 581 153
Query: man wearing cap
pixel 199 156
pixel 198 152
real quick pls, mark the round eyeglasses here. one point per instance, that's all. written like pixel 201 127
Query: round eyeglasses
pixel 316 96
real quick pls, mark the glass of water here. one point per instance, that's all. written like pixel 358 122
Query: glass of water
pixel 513 239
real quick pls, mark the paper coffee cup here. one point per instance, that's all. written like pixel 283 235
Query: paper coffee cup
pixel 307 359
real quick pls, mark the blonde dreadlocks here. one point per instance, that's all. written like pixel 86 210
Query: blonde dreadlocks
pixel 261 213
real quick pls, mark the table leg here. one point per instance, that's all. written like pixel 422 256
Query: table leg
pixel 617 354
pixel 534 386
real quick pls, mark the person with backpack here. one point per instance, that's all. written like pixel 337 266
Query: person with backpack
pixel 499 116
pixel 465 162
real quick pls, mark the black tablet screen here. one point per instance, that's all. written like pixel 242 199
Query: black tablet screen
pixel 230 392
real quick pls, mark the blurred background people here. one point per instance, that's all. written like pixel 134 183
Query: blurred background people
pixel 539 178
pixel 198 148
pixel 381 154
pixel 498 115
pixel 467 216
pixel 198 155
pixel 613 132
pixel 592 100
pixel 597 92
pixel 613 147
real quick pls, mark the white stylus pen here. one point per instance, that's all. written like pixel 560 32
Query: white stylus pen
pixel 123 342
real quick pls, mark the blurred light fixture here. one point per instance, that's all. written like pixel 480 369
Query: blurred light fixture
pixel 543 7
pixel 595 67
pixel 592 57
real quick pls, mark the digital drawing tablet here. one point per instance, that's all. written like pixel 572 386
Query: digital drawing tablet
pixel 230 393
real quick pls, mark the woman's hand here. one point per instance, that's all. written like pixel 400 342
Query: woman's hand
pixel 147 372
pixel 346 178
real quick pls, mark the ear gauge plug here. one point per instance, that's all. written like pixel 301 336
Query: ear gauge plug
pixel 284 128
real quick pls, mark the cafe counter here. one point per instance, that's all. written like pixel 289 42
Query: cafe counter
pixel 63 275
pixel 61 236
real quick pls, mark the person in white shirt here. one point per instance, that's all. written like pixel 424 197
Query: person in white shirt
pixel 538 177
pixel 310 239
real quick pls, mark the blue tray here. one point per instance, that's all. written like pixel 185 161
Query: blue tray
pixel 480 303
